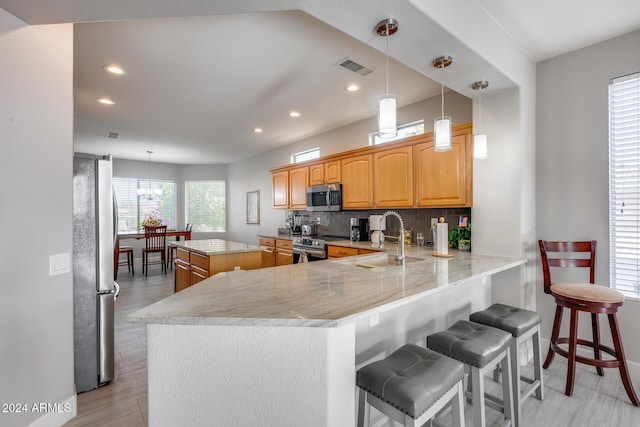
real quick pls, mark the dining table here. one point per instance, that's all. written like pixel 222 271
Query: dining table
pixel 140 235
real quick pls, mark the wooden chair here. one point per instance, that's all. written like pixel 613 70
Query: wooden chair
pixel 155 242
pixel 171 250
pixel 586 297
pixel 128 250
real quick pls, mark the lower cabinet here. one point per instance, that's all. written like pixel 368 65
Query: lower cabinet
pixel 276 252
pixel 335 251
pixel 193 267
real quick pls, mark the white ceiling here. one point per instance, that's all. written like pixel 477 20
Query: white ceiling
pixel 197 85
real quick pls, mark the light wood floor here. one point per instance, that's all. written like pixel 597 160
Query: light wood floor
pixel 597 401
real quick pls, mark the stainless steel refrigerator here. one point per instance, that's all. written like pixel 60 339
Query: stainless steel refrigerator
pixel 94 288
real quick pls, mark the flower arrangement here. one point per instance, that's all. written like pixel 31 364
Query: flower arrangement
pixel 151 221
pixel 154 218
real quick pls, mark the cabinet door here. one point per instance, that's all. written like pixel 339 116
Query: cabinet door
pixel 298 183
pixel 357 180
pixel 284 257
pixel 316 174
pixel 443 179
pixel 198 275
pixel 183 276
pixel 280 184
pixel 332 172
pixel 340 251
pixel 393 178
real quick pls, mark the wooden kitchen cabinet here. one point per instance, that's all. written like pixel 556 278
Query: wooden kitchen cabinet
pixel 332 172
pixel 280 185
pixel 324 173
pixel 393 178
pixel 334 251
pixel 298 183
pixel 193 267
pixel 276 252
pixel 357 182
pixel 284 252
pixel 444 179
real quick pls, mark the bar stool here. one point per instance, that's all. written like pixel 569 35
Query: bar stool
pixel 522 325
pixel 586 297
pixel 481 348
pixel 128 250
pixel 411 386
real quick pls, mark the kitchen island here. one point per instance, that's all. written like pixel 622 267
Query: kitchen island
pixel 200 259
pixel 280 346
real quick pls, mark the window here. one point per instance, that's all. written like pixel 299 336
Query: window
pixel 303 156
pixel 624 184
pixel 205 205
pixel 404 131
pixel 133 207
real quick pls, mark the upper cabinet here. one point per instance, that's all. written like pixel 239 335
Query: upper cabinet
pixel 393 178
pixel 298 183
pixel 290 188
pixel 324 173
pixel 357 182
pixel 401 174
pixel 444 179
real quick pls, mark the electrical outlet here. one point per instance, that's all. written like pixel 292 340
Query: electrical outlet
pixel 434 222
pixel 318 220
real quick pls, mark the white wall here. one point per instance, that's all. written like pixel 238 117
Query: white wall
pixel 36 133
pixel 572 158
pixel 253 174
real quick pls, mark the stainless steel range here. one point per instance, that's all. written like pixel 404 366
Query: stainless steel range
pixel 313 247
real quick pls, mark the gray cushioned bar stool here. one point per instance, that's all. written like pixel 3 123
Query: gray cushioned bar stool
pixel 481 348
pixel 521 324
pixel 411 386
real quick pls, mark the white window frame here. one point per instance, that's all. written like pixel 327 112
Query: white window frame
pixel 404 131
pixel 624 184
pixel 306 155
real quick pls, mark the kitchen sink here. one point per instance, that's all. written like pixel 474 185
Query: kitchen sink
pixel 375 261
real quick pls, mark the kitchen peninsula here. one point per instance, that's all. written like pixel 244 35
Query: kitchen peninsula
pixel 281 345
pixel 200 259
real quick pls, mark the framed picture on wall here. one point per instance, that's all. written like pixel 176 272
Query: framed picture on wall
pixel 253 207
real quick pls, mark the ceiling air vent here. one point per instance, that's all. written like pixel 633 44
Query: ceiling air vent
pixel 353 66
pixel 113 135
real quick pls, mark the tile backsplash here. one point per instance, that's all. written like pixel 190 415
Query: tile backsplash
pixel 418 220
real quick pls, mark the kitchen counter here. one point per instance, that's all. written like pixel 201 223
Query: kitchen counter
pixel 214 246
pixel 283 344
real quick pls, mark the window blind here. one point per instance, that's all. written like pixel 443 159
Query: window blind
pixel 205 205
pixel 624 184
pixel 133 208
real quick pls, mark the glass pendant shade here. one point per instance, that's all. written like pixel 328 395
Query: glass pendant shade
pixel 480 146
pixel 387 117
pixel 442 133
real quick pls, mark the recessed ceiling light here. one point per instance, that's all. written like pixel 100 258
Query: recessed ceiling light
pixel 105 101
pixel 294 114
pixel 352 88
pixel 257 130
pixel 115 69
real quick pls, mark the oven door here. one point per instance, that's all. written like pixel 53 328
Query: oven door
pixel 310 255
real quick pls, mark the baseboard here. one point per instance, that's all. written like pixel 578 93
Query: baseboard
pixel 634 367
pixel 55 414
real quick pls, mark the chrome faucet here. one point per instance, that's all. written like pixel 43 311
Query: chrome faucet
pixel 399 256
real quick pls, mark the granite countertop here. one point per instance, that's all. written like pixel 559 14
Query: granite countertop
pixel 214 246
pixel 326 293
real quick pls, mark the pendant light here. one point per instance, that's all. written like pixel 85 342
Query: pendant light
pixel 148 193
pixel 442 124
pixel 480 139
pixel 387 127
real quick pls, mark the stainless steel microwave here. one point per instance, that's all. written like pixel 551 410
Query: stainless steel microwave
pixel 324 198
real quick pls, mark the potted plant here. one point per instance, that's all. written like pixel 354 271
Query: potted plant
pixel 460 237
